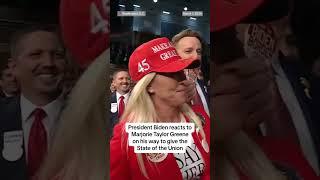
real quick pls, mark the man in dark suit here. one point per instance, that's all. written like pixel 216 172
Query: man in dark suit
pixel 119 98
pixel 293 83
pixel 189 45
pixel 8 83
pixel 28 120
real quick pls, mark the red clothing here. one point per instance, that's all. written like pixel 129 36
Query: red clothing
pixel 287 155
pixel 124 164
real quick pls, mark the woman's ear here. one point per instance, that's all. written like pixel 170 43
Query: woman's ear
pixel 150 89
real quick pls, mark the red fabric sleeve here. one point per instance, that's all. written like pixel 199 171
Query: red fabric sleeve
pixel 288 154
pixel 198 109
pixel 119 169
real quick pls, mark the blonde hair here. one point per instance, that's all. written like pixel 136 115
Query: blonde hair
pixel 242 152
pixel 80 145
pixel 140 109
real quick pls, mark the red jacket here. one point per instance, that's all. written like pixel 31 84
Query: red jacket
pixel 124 164
pixel 287 156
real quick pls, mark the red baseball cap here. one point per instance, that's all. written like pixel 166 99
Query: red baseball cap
pixel 225 13
pixel 85 28
pixel 157 55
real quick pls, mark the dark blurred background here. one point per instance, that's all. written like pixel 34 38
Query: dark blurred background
pixel 15 14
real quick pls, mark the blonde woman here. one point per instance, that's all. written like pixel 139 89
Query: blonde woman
pixel 159 96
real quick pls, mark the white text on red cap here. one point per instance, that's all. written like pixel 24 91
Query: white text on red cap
pixel 166 55
pixel 161 47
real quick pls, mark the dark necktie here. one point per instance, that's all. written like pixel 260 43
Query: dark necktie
pixel 37 146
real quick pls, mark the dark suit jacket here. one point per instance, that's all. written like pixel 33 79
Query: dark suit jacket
pixel 114 115
pixel 204 89
pixel 2 95
pixel 295 72
pixel 10 120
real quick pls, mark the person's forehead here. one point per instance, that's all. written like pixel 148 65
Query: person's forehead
pixel 38 39
pixel 122 74
pixel 188 41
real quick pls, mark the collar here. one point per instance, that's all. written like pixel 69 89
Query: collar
pixel 126 96
pixel 52 109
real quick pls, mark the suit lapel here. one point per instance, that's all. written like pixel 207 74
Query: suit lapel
pixel 295 73
pixel 12 123
pixel 113 109
pixel 204 91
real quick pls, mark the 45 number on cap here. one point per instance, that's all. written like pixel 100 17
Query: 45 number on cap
pixel 98 23
pixel 143 66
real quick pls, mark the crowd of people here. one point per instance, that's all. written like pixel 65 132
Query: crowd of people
pixel 34 89
pixel 8 83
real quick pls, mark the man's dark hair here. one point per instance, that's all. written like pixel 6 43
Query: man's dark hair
pixel 117 71
pixel 20 34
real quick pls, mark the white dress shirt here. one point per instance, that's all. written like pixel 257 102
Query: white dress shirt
pixel 297 116
pixel 52 110
pixel 126 98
